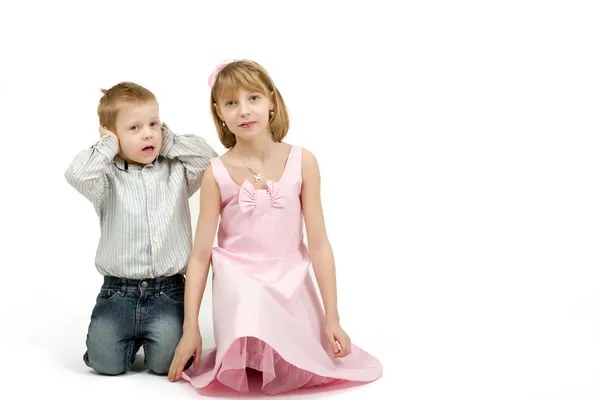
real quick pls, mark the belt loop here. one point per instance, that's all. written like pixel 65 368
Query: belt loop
pixel 157 286
pixel 123 285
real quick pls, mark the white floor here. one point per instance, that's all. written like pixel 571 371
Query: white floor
pixel 44 347
pixel 508 342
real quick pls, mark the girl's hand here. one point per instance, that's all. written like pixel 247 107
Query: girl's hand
pixel 106 132
pixel 189 345
pixel 338 339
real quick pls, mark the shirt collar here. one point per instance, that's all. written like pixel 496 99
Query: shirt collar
pixel 125 166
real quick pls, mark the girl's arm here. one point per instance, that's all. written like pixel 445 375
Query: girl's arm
pixel 199 261
pixel 197 274
pixel 321 254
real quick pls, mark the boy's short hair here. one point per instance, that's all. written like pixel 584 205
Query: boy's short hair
pixel 114 98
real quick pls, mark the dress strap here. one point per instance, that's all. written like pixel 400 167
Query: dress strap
pixel 294 164
pixel 226 185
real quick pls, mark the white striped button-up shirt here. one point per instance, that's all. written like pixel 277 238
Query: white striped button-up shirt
pixel 144 212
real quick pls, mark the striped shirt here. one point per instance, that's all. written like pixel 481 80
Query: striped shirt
pixel 144 212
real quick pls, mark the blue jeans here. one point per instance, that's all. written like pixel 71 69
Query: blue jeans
pixel 132 313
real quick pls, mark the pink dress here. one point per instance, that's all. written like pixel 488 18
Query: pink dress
pixel 267 315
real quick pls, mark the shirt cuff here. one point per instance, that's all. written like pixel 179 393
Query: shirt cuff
pixel 107 146
pixel 167 141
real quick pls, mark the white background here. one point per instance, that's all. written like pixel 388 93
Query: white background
pixel 458 143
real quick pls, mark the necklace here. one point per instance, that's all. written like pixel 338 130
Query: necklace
pixel 258 177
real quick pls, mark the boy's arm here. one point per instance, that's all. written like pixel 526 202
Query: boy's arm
pixel 193 152
pixel 87 172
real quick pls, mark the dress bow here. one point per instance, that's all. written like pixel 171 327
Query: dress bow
pixel 248 196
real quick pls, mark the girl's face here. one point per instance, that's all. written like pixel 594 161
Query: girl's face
pixel 246 114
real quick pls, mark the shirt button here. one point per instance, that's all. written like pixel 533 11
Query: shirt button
pixel 144 284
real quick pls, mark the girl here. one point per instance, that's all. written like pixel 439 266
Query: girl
pixel 267 315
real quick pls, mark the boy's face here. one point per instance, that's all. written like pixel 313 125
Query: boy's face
pixel 140 132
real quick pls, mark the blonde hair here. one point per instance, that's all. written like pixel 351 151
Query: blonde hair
pixel 249 76
pixel 114 98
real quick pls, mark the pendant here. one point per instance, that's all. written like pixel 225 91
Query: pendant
pixel 258 177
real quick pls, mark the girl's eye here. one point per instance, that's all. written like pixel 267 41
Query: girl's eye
pixel 254 98
pixel 229 103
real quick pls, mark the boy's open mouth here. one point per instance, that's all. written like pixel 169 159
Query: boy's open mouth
pixel 148 149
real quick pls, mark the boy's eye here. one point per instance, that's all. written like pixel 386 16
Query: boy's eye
pixel 133 128
pixel 153 123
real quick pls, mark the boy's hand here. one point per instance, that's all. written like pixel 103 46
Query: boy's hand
pixel 106 132
pixel 338 339
pixel 189 345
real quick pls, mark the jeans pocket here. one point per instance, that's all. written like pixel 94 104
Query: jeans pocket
pixel 173 295
pixel 106 295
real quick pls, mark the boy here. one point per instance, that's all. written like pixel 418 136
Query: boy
pixel 139 177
